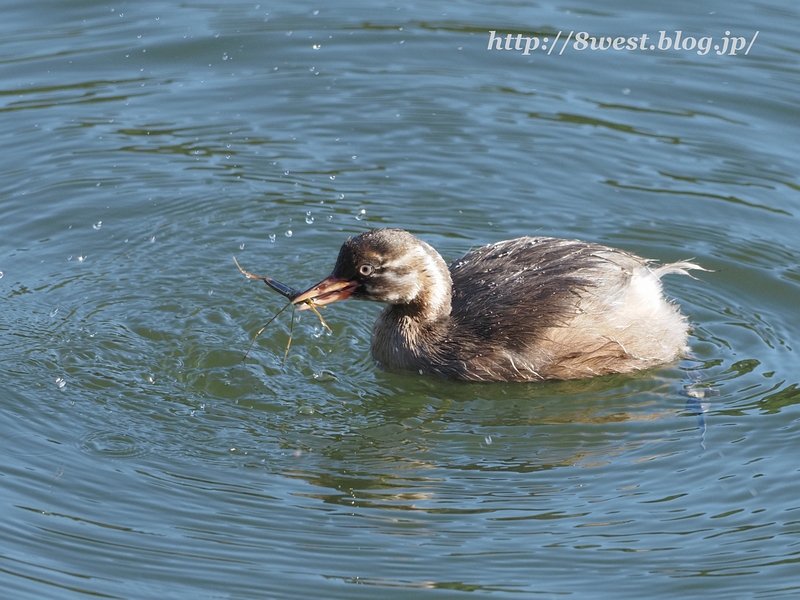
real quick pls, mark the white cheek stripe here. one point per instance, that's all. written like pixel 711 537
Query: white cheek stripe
pixel 405 282
pixel 437 286
pixel 426 276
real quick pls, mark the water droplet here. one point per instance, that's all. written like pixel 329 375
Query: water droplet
pixel 309 218
pixel 97 225
pixel 241 246
pixel 361 214
pixel 316 46
pixel 488 439
pixel 60 383
pixel 286 172
pixel 288 233
pixel 341 196
pixel 152 239
pixel 1 274
pixel 272 237
pixel 319 331
pixel 54 312
pixel 330 217
pixel 325 375
pixel 81 258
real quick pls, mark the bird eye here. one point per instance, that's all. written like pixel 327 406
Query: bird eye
pixel 366 270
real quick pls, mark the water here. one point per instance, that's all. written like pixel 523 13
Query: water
pixel 145 144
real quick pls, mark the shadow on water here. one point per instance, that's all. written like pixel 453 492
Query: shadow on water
pixel 405 437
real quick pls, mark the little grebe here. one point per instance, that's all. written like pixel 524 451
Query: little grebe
pixel 526 309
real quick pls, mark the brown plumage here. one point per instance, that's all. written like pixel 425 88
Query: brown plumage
pixel 526 309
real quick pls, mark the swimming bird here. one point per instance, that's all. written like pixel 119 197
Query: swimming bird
pixel 526 309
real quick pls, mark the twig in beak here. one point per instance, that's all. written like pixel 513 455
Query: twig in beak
pixel 283 289
pixel 289 293
pixel 313 307
pixel 260 331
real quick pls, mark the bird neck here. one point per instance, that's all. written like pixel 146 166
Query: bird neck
pixel 407 335
pixel 433 299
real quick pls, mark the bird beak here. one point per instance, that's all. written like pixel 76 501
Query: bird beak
pixel 331 289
